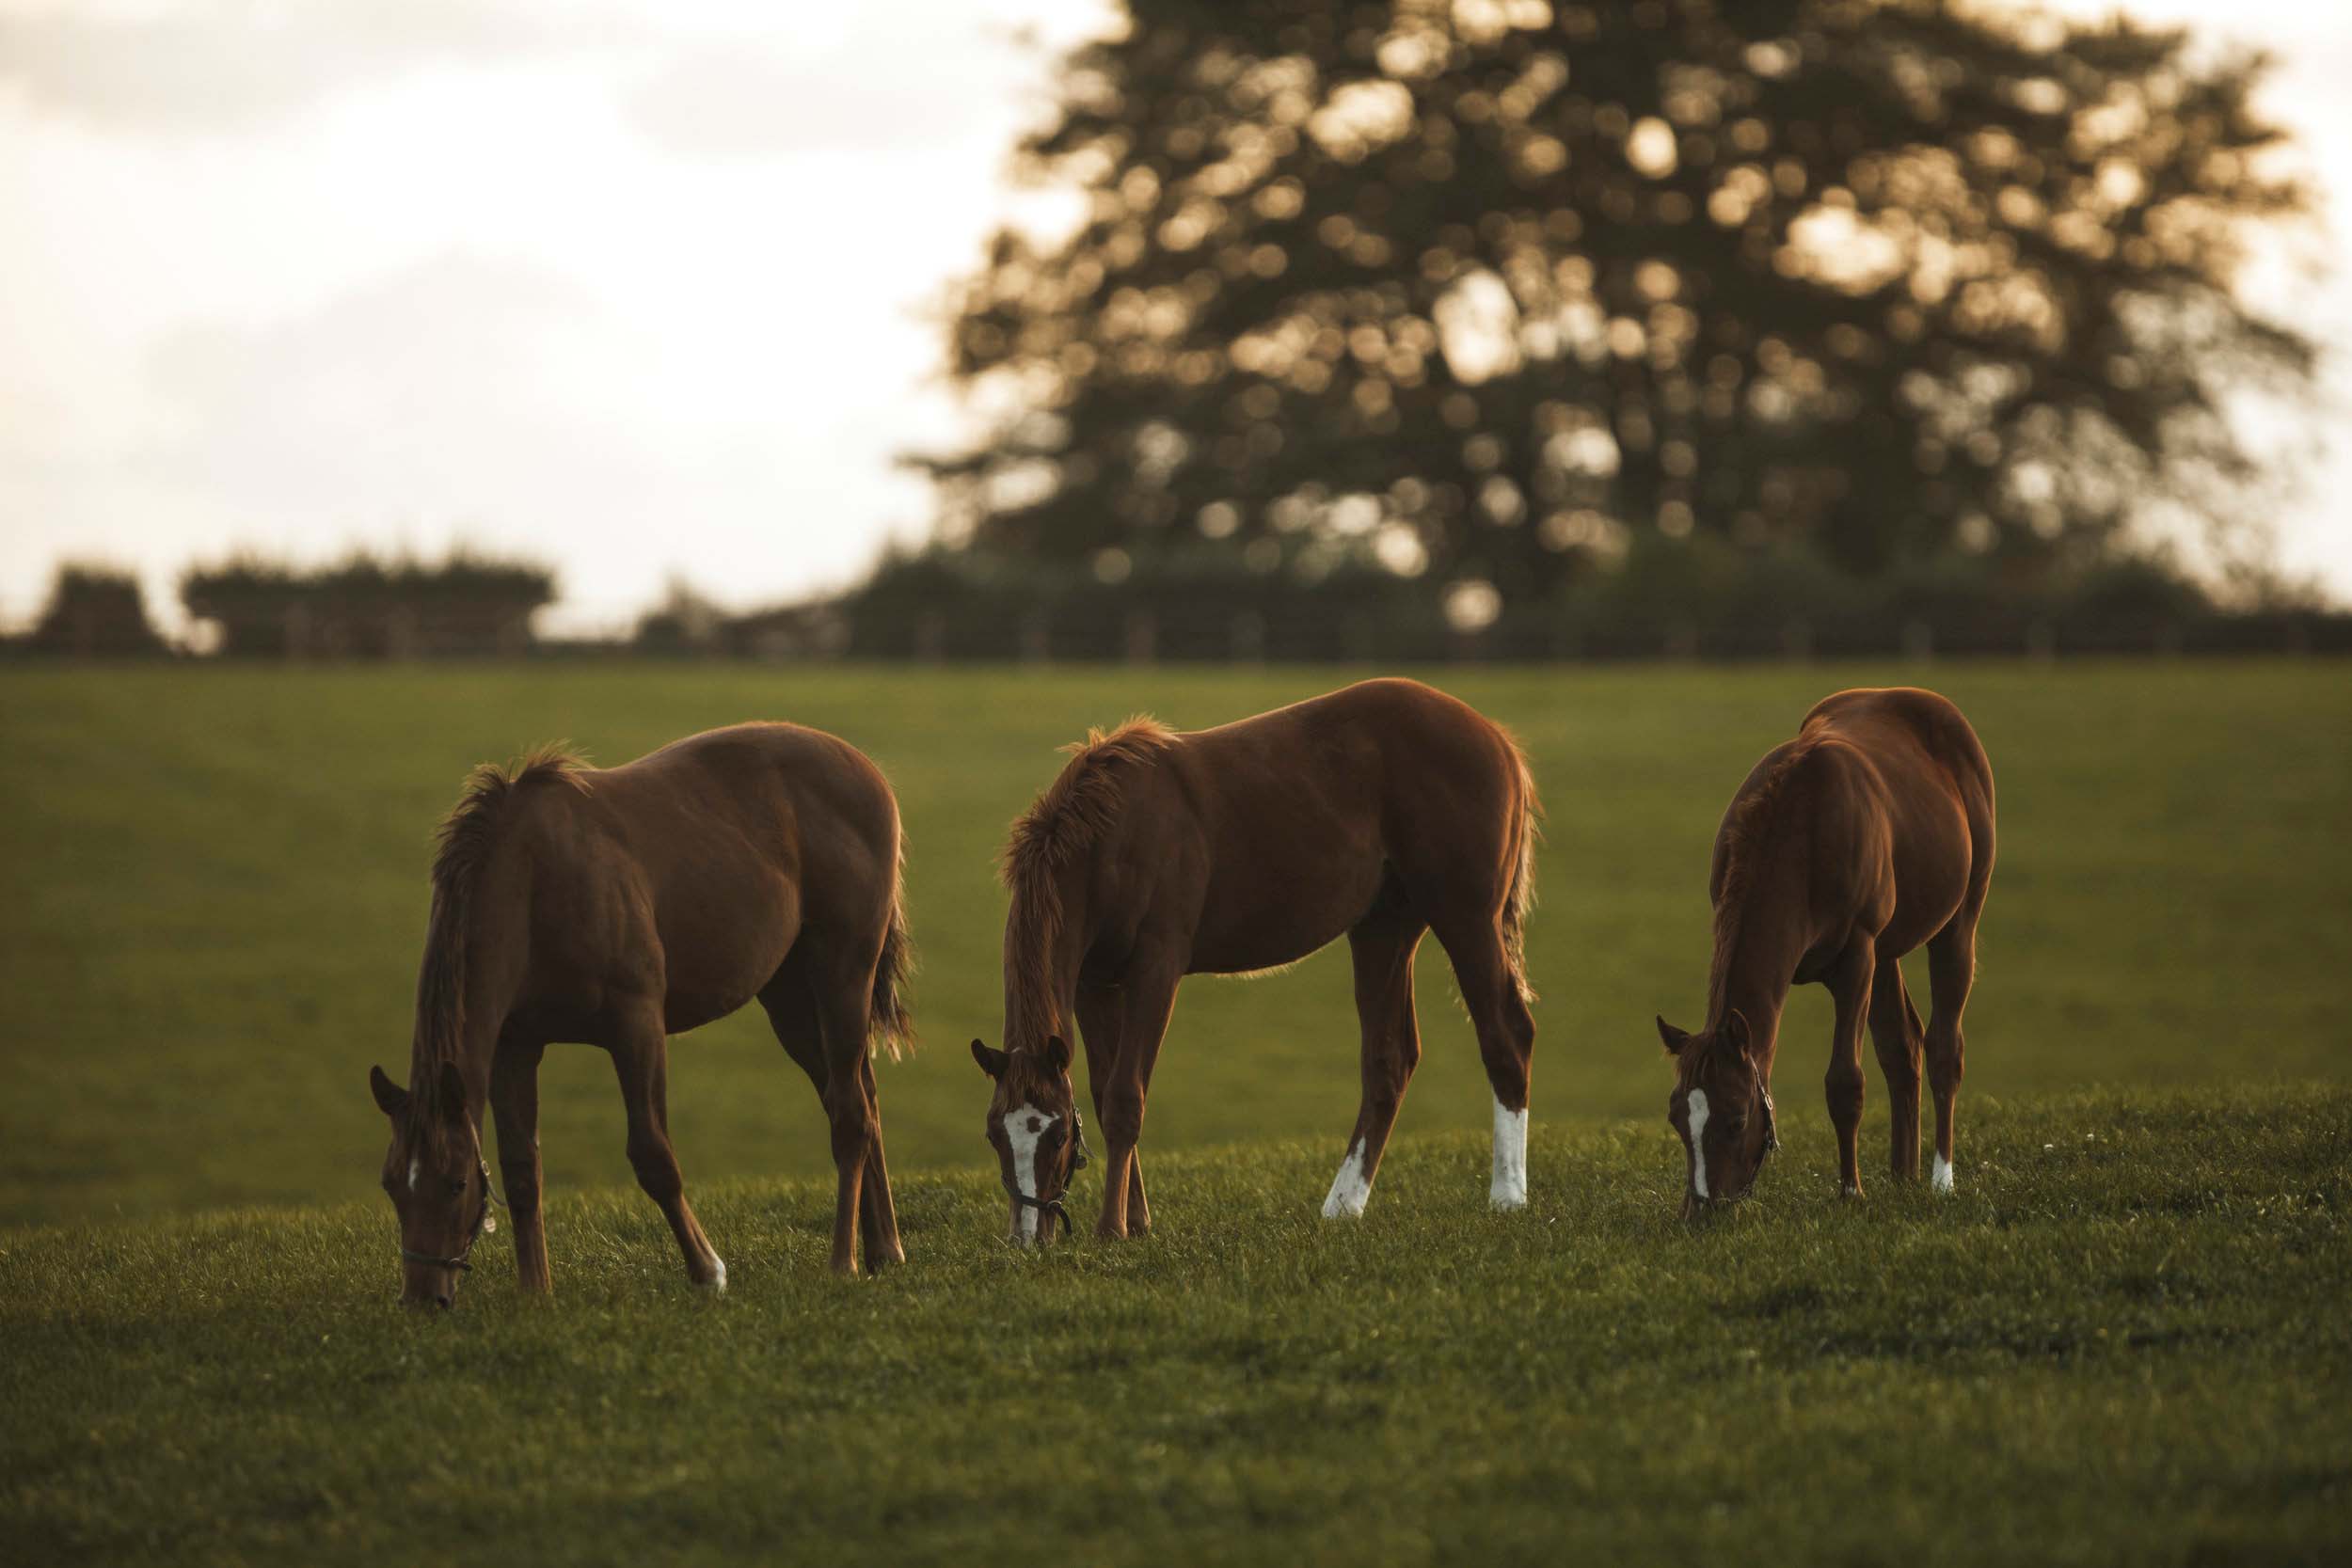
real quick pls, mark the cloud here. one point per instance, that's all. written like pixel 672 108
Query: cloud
pixel 219 66
pixel 461 384
pixel 739 100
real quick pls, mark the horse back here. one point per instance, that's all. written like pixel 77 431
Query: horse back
pixel 1303 814
pixel 1907 788
pixel 690 872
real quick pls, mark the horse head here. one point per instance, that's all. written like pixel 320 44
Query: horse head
pixel 1034 1126
pixel 438 1183
pixel 1722 1108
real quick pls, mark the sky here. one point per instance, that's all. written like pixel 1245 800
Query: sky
pixel 648 287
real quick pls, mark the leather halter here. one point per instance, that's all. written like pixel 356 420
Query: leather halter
pixel 1052 1205
pixel 483 1222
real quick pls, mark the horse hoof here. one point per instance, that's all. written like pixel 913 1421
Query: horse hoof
pixel 717 1283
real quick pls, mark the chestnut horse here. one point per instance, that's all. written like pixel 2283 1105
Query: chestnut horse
pixel 618 907
pixel 1379 812
pixel 1869 834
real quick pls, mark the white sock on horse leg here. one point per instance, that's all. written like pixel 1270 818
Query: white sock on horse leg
pixel 1509 1187
pixel 1350 1188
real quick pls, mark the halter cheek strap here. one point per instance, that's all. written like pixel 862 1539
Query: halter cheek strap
pixel 483 1221
pixel 1047 1206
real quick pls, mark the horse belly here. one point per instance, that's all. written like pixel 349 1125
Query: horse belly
pixel 1279 910
pixel 721 953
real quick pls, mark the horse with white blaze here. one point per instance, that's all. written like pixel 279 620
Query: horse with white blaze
pixel 1381 813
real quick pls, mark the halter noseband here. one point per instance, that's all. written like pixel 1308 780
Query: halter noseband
pixel 483 1223
pixel 1052 1205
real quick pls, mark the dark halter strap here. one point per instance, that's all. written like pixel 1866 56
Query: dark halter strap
pixel 483 1222
pixel 1052 1206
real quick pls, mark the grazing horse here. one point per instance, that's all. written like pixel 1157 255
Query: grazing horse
pixel 617 907
pixel 1379 812
pixel 1869 834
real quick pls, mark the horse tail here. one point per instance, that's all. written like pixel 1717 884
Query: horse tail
pixel 887 1019
pixel 1526 832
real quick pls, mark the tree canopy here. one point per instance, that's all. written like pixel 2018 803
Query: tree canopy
pixel 1486 293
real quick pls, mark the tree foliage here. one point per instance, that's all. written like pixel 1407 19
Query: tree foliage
pixel 95 610
pixel 1488 290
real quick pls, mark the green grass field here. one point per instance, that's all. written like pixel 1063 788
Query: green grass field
pixel 2123 1342
pixel 216 891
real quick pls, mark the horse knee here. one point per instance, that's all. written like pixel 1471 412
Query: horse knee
pixel 855 1126
pixel 657 1170
pixel 1843 1090
pixel 1947 1061
pixel 1519 1021
pixel 1510 1064
pixel 1121 1111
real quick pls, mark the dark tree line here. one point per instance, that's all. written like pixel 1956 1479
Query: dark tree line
pixel 1488 297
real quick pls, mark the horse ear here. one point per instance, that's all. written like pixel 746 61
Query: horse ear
pixel 991 1062
pixel 452 1092
pixel 1672 1037
pixel 390 1098
pixel 1736 1031
pixel 1058 1052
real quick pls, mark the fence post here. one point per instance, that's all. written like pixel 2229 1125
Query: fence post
pixel 1143 635
pixel 1918 640
pixel 1037 635
pixel 1248 638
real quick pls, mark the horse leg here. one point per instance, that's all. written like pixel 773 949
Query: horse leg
pixel 793 1017
pixel 1506 1043
pixel 1849 987
pixel 841 1002
pixel 1951 970
pixel 640 1059
pixel 879 1217
pixel 515 1103
pixel 1382 948
pixel 1146 1000
pixel 1098 1020
pixel 1894 1034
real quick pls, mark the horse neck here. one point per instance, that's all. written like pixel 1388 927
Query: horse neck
pixel 1756 954
pixel 1044 944
pixel 465 989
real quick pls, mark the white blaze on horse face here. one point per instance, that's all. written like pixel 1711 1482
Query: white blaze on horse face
pixel 413 1162
pixel 1509 1187
pixel 1697 1104
pixel 1351 1189
pixel 1941 1179
pixel 1023 1129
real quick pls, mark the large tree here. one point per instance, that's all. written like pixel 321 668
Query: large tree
pixel 1487 288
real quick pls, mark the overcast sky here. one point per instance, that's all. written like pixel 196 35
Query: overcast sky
pixel 641 288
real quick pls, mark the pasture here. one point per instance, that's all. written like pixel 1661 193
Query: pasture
pixel 2123 1340
pixel 215 898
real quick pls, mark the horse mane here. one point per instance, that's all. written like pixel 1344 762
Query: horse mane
pixel 465 841
pixel 1746 840
pixel 1063 823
